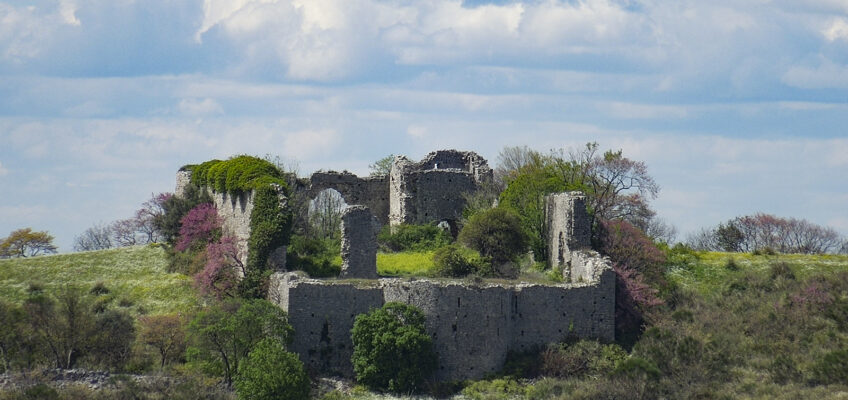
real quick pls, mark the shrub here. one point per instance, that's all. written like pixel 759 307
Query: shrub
pixel 201 225
pixel 496 234
pixel 494 389
pixel 583 357
pixel 164 333
pixel 407 237
pixel 315 256
pixel 391 350
pixel 832 368
pixel 452 261
pixel 113 339
pixel 174 209
pixel 271 373
pixel 223 334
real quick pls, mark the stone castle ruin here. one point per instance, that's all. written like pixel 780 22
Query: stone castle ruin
pixel 474 324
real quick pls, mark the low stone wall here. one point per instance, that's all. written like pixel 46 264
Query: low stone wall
pixel 473 325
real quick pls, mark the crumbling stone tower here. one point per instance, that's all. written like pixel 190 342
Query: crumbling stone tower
pixel 432 189
pixel 359 243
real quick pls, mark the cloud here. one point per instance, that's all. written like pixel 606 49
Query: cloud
pixel 3 171
pixel 826 75
pixel 197 107
pixel 309 143
pixel 838 29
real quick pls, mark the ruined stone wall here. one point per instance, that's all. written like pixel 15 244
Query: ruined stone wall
pixel 359 243
pixel 473 326
pixel 235 217
pixel 371 191
pixel 432 189
pixel 568 228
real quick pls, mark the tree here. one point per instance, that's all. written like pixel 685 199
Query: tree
pixel 765 232
pixel 200 226
pixel 496 234
pixel 114 334
pixel 146 216
pixel 325 214
pixel 97 237
pixel 391 349
pixel 220 275
pixel 615 186
pixel 11 333
pixel 222 335
pixel 63 325
pixel 164 333
pixel 174 209
pixel 26 243
pixel 382 166
pixel 271 373
pixel 125 232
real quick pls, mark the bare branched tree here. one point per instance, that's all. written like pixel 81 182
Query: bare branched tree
pixel 98 237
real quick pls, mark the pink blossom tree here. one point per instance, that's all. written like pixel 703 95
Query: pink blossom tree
pixel 201 225
pixel 223 269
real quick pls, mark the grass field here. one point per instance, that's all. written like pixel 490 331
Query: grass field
pixel 136 276
pixel 709 272
pixel 405 263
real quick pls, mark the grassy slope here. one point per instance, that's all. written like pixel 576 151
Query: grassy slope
pixel 708 273
pixel 135 275
pixel 405 263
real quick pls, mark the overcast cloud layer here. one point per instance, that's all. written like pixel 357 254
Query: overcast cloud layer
pixel 736 106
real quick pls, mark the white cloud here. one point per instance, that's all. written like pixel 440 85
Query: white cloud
pixel 838 29
pixel 198 107
pixel 417 132
pixel 3 171
pixel 645 111
pixel 310 143
pixel 826 75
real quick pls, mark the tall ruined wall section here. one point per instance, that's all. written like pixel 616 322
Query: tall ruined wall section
pixel 371 191
pixel 568 231
pixel 473 326
pixel 433 188
pixel 235 217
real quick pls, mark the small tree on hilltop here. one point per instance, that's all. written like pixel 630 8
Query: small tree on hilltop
pixel 26 243
pixel 391 349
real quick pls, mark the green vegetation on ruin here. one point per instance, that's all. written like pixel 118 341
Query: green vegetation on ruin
pixel 136 277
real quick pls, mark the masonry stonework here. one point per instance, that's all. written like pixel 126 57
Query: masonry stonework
pixel 568 228
pixel 359 243
pixel 433 189
pixel 473 326
pixel 371 191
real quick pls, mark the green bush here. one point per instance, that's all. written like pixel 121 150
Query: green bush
pixel 496 234
pixel 315 256
pixel 271 373
pixel 582 357
pixel 832 368
pixel 391 350
pixel 497 389
pixel 407 237
pixel 455 261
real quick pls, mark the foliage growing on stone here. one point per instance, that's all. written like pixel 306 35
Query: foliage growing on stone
pixel 222 335
pixel 236 175
pixel 382 166
pixel 271 373
pixel 26 243
pixel 409 237
pixel 391 349
pixel 496 234
pixel 270 228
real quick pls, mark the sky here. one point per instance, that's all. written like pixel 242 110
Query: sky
pixel 736 106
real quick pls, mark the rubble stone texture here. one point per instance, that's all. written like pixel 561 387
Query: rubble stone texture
pixel 359 243
pixel 568 228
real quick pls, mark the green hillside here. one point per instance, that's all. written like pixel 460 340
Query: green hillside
pixel 137 277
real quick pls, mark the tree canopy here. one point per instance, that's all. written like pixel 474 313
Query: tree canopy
pixel 26 243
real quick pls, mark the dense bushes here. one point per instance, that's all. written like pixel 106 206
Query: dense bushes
pixel 455 261
pixel 271 373
pixel 315 256
pixel 391 350
pixel 406 237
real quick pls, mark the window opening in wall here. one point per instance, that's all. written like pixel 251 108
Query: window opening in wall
pixel 453 327
pixel 458 301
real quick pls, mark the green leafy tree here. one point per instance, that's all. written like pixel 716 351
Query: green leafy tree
pixel 63 325
pixel 26 243
pixel 382 166
pixel 271 373
pixel 391 349
pixel 222 335
pixel 111 343
pixel 496 234
pixel 174 208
